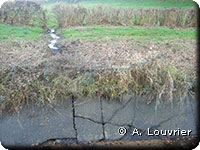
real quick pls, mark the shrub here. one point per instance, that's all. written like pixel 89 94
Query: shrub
pixel 23 13
pixel 75 15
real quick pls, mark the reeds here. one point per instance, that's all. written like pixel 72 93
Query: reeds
pixel 75 15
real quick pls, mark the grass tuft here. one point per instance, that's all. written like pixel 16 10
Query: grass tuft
pixel 9 32
pixel 99 32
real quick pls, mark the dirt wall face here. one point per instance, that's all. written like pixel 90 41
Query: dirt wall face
pixel 99 122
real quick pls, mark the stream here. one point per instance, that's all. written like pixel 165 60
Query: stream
pixel 54 40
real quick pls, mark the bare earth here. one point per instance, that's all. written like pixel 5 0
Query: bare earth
pixel 180 143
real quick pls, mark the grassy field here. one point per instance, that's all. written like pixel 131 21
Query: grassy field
pixel 93 33
pixel 97 32
pixel 29 33
pixel 140 3
pixel 8 32
pixel 134 3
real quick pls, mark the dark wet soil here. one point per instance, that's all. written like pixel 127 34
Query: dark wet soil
pixel 177 143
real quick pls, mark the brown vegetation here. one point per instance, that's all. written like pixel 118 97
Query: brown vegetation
pixel 75 15
pixel 29 72
pixel 22 13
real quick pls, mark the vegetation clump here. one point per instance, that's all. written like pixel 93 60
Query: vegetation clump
pixel 42 78
pixel 77 15
pixel 26 13
pixel 153 80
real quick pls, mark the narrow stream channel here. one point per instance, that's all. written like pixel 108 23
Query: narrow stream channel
pixel 54 40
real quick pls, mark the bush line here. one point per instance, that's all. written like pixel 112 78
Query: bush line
pixel 76 15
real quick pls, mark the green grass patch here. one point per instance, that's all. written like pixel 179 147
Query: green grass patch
pixel 96 32
pixel 8 32
pixel 51 21
pixel 140 3
pixel 133 4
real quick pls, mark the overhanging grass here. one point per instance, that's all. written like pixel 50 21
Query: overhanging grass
pixel 141 3
pixel 96 32
pixel 8 32
pixel 154 80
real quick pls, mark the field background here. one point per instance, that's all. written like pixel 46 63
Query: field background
pixel 132 3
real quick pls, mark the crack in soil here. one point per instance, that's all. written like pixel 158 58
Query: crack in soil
pixel 98 122
pixel 155 127
pixel 164 121
pixel 116 111
pixel 106 122
pixel 101 103
pixel 67 141
pixel 74 124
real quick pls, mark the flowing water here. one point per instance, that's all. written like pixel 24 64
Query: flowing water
pixel 54 40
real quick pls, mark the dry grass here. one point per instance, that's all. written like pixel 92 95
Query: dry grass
pixel 23 53
pixel 46 79
pixel 153 80
pixel 23 13
pixel 120 53
pixel 75 15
